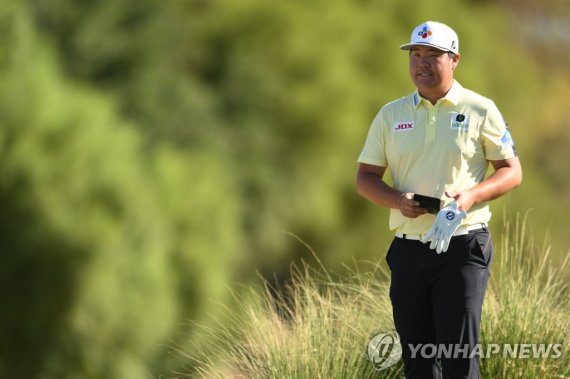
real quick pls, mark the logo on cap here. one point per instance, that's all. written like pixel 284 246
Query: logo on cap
pixel 425 32
pixel 433 34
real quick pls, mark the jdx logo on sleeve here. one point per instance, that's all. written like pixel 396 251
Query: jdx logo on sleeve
pixel 403 126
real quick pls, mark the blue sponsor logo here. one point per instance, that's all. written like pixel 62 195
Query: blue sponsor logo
pixel 507 139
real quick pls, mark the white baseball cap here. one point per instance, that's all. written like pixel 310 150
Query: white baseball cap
pixel 434 34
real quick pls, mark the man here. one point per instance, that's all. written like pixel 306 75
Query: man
pixel 438 142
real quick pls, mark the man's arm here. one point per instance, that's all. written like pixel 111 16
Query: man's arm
pixel 507 175
pixel 370 185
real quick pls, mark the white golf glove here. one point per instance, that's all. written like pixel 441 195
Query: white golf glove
pixel 446 223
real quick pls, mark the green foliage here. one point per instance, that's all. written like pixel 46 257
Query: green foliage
pixel 287 91
pixel 93 227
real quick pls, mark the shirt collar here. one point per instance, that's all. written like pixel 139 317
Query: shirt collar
pixel 452 95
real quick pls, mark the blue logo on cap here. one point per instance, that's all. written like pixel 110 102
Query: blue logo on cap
pixel 425 32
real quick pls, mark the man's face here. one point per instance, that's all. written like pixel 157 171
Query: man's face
pixel 432 69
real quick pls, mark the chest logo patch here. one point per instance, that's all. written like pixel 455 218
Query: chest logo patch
pixel 404 126
pixel 459 121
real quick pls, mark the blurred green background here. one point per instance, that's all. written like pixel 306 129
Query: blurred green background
pixel 155 153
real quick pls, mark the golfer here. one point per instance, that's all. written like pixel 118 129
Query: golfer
pixel 438 142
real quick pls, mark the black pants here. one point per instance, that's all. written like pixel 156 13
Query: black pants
pixel 437 300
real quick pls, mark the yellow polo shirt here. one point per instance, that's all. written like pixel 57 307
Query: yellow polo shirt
pixel 430 149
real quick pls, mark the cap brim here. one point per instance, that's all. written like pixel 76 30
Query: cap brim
pixel 409 46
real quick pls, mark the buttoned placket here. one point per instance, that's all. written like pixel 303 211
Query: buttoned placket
pixel 431 121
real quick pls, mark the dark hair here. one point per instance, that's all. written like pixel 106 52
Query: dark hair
pixel 450 53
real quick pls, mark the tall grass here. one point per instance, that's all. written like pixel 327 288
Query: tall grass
pixel 527 302
pixel 317 327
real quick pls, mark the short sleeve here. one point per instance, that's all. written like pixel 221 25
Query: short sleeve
pixel 497 140
pixel 374 151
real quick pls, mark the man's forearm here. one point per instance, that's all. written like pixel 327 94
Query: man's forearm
pixel 373 188
pixel 507 175
pixel 370 185
pixel 499 183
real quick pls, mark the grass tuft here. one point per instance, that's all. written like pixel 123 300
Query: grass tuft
pixel 527 302
pixel 317 327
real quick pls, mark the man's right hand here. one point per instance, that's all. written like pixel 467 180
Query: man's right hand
pixel 370 185
pixel 409 207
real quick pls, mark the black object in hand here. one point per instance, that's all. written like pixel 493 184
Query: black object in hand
pixel 432 204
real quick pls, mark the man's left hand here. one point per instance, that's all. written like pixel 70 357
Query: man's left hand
pixel 464 199
pixel 446 223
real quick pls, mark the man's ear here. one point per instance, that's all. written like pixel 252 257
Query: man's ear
pixel 455 61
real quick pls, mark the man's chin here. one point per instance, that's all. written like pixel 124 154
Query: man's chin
pixel 427 83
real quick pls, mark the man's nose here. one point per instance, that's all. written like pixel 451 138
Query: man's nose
pixel 423 62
